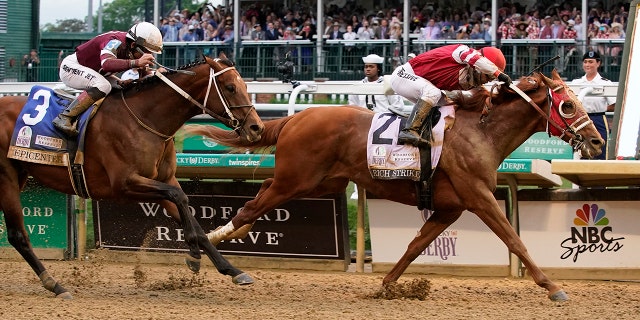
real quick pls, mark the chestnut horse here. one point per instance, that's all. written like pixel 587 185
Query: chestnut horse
pixel 320 149
pixel 130 152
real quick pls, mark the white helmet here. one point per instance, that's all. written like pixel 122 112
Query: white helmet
pixel 146 35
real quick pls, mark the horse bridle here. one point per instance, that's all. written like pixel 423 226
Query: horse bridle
pixel 576 140
pixel 570 129
pixel 233 123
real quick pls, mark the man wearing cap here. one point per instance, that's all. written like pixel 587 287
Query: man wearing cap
pixel 596 106
pixel 376 103
pixel 451 67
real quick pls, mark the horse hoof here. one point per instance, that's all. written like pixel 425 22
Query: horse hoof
pixel 559 296
pixel 193 264
pixel 65 296
pixel 242 279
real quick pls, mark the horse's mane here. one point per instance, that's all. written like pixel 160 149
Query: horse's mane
pixel 478 98
pixel 476 101
pixel 527 84
pixel 139 84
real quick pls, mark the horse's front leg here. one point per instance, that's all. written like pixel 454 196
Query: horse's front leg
pixel 244 220
pixel 195 238
pixel 496 220
pixel 434 226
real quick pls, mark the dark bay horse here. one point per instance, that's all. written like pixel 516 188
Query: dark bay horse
pixel 320 149
pixel 130 152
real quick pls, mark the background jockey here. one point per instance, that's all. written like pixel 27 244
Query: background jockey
pixel 451 67
pixel 91 68
pixel 376 103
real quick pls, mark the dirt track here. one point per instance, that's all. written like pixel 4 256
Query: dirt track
pixel 107 290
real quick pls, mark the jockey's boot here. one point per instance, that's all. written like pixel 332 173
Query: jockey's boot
pixel 411 132
pixel 66 121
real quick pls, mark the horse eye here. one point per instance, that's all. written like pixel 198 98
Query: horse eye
pixel 568 107
pixel 231 88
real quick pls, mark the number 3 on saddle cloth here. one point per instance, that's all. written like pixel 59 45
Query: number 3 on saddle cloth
pixel 388 160
pixel 36 140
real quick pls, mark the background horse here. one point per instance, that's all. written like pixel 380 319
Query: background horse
pixel 320 149
pixel 130 152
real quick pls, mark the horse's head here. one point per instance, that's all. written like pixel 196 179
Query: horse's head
pixel 566 117
pixel 230 102
pixel 569 120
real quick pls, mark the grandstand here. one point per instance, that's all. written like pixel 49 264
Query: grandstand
pixel 338 59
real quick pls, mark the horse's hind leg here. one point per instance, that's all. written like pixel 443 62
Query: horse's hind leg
pixel 495 219
pixel 434 226
pixel 19 239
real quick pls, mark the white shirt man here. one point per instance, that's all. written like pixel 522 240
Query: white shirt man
pixel 377 103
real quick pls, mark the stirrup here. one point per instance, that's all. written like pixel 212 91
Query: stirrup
pixel 70 131
pixel 405 137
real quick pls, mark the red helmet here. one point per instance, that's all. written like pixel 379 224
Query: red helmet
pixel 495 55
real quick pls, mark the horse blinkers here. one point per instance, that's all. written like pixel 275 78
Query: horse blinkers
pixel 567 115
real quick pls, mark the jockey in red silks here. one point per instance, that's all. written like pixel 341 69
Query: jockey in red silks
pixel 91 68
pixel 451 67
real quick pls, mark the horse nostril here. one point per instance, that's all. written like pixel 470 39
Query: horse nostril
pixel 257 128
pixel 597 141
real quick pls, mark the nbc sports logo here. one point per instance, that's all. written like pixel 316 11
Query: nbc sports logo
pixel 590 233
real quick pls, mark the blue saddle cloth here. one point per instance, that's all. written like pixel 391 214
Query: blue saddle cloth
pixel 35 139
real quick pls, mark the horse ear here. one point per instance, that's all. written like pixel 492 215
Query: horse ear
pixel 546 80
pixel 222 55
pixel 555 75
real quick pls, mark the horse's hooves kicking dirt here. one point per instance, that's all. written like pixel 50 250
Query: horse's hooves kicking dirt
pixel 243 279
pixel 193 264
pixel 416 289
pixel 65 296
pixel 559 296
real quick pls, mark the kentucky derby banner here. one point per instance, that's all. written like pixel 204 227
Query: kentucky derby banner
pixel 466 242
pixel 302 228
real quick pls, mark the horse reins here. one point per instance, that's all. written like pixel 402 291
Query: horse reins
pixel 233 122
pixel 575 139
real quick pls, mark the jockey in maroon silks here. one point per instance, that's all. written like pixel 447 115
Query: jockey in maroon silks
pixel 91 68
pixel 451 67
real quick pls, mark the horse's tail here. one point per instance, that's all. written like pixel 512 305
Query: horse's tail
pixel 231 138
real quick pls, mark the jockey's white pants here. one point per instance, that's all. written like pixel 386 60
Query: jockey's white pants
pixel 77 76
pixel 407 84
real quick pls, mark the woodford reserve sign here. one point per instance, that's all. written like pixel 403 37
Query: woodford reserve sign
pixel 302 228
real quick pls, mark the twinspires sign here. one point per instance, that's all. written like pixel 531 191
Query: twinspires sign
pixel 45 217
pixel 302 228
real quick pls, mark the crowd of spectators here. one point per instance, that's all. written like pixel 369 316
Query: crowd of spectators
pixel 560 21
pixel 351 21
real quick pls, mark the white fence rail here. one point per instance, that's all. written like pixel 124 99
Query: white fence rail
pixel 336 91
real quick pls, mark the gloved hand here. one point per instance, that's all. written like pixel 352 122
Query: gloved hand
pixel 504 78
